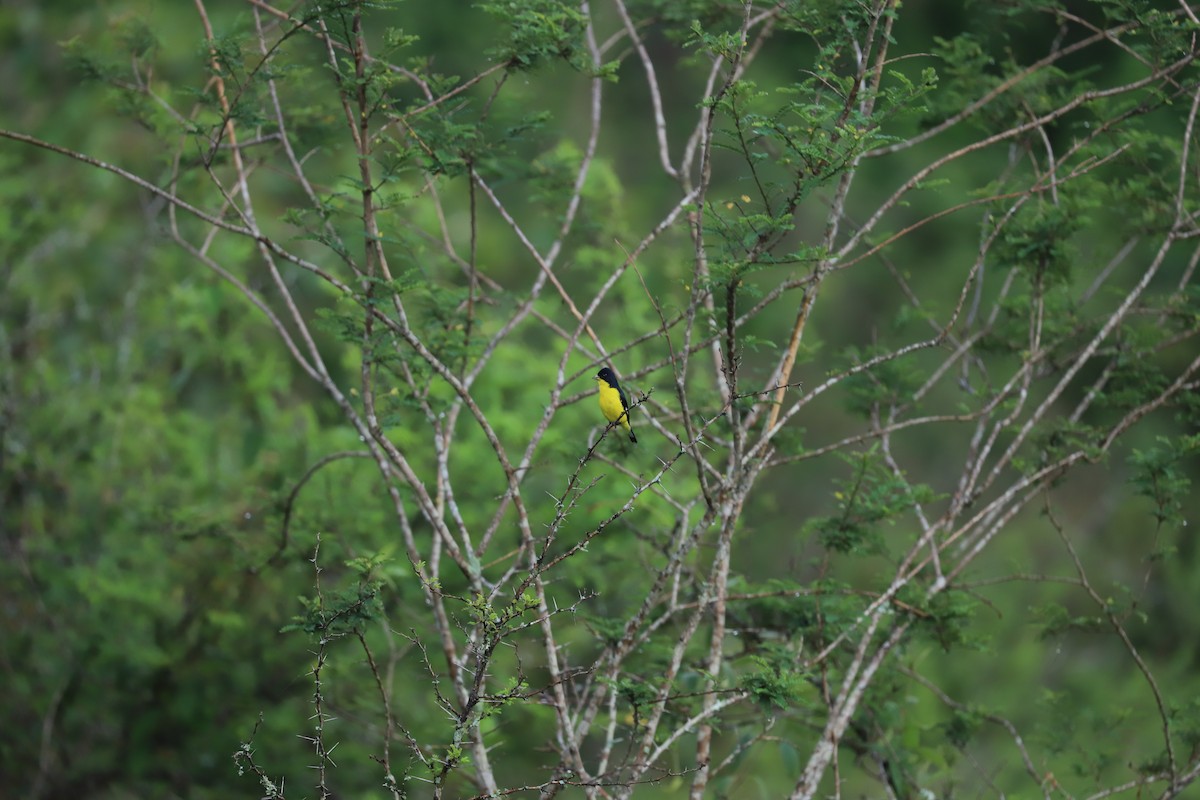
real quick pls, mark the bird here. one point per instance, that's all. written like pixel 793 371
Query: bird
pixel 613 402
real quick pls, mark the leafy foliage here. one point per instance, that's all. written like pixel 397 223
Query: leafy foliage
pixel 299 460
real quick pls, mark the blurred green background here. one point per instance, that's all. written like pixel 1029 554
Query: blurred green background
pixel 152 426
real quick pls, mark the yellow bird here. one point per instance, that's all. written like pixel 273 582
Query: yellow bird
pixel 613 402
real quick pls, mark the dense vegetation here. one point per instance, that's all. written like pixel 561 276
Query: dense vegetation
pixel 303 487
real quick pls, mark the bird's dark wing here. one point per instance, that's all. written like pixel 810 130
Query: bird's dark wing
pixel 624 399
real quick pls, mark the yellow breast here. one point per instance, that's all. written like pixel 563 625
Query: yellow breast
pixel 610 403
